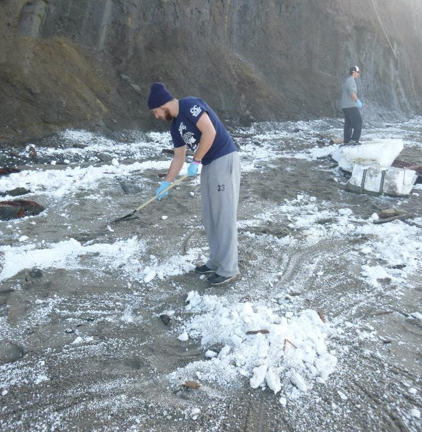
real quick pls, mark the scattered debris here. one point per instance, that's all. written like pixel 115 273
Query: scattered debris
pixel 401 216
pixel 291 343
pixel 191 384
pixel 408 165
pixel 8 171
pixel 342 395
pixel 32 151
pixel 336 141
pixel 385 214
pixel 321 315
pixel 254 332
pixel 195 413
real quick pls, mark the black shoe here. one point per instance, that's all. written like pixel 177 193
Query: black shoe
pixel 203 269
pixel 220 280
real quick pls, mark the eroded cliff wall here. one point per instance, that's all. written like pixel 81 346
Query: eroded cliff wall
pixel 90 63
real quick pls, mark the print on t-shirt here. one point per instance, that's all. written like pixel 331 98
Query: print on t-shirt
pixel 188 137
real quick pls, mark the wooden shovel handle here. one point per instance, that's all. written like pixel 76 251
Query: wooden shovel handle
pixel 174 184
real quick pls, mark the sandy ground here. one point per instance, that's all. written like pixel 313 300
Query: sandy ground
pixel 116 376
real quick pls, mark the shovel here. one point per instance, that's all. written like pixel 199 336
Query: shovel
pixel 131 215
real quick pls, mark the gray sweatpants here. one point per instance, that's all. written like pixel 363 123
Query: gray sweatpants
pixel 220 184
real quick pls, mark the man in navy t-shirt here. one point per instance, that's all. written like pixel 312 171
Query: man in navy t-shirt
pixel 195 124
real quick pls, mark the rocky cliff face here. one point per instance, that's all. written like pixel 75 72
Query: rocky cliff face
pixel 89 64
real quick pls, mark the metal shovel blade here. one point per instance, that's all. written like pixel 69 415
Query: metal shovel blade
pixel 129 216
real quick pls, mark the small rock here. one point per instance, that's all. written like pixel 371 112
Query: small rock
pixel 415 413
pixel 19 209
pixel 210 354
pixel 8 171
pixel 342 395
pixel 183 337
pixel 195 413
pixel 16 192
pixel 384 214
pixel 10 352
pixel 165 319
pixel 36 273
pixel 103 157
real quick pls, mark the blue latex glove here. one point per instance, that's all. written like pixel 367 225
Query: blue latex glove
pixel 193 168
pixel 359 104
pixel 164 185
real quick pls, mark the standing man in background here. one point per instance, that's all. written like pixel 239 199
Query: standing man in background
pixel 195 124
pixel 351 106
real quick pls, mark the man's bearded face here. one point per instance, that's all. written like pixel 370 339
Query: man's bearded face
pixel 162 114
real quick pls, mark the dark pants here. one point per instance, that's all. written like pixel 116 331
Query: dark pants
pixel 352 123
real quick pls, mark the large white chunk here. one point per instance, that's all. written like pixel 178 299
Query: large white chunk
pixel 258 376
pixel 298 381
pixel 377 180
pixel 272 378
pixel 381 152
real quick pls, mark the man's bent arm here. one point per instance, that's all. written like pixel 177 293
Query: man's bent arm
pixel 353 96
pixel 207 138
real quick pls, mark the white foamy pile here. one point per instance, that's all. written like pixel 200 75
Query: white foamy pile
pixel 126 256
pixel 288 352
pixel 64 182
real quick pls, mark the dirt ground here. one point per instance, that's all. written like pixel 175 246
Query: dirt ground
pixel 117 377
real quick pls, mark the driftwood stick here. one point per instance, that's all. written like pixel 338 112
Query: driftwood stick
pixel 321 315
pixel 254 332
pixel 390 219
pixel 291 343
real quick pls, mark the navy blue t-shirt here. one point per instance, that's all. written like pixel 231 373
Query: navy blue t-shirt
pixel 184 131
